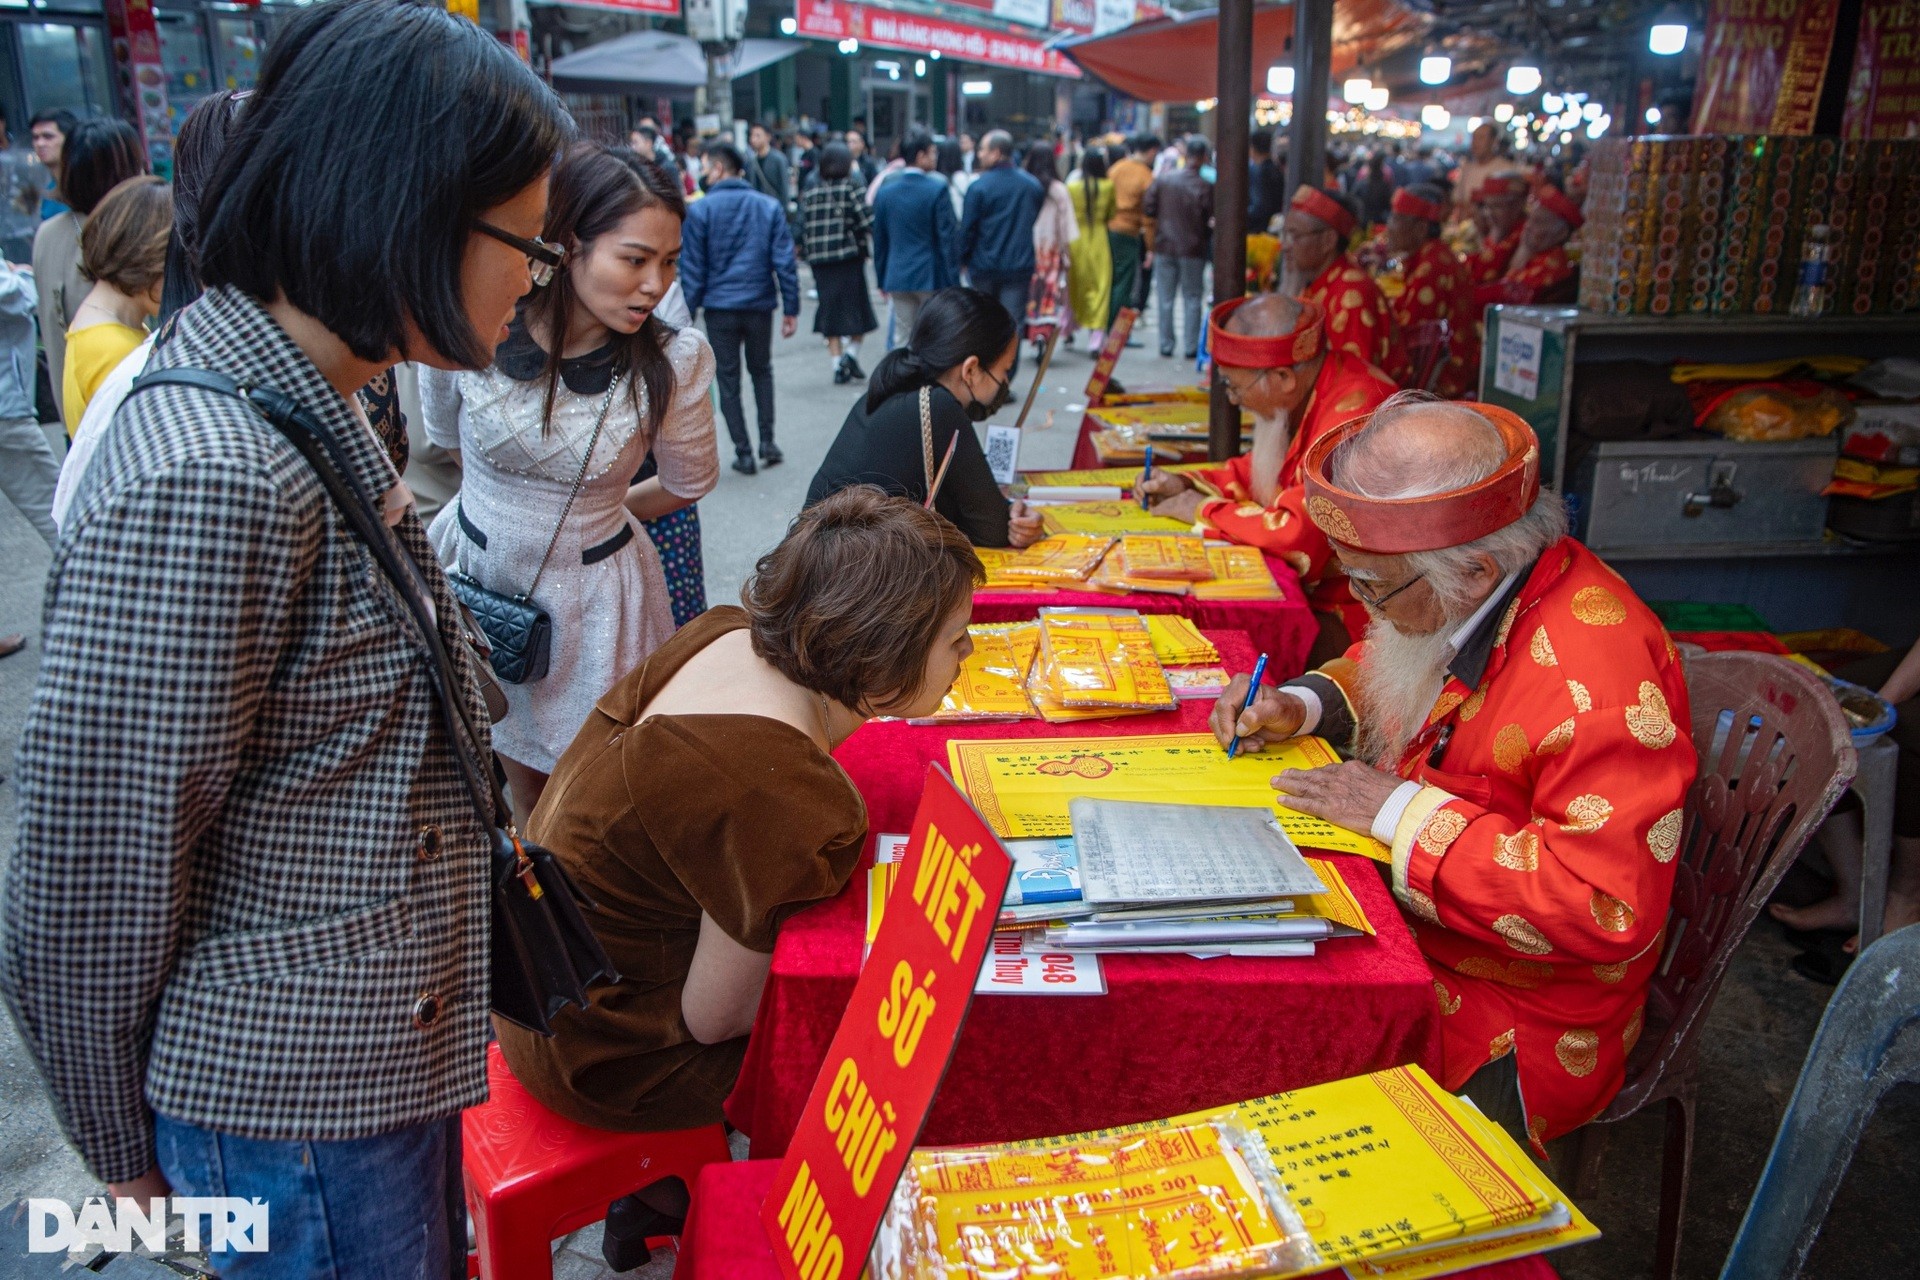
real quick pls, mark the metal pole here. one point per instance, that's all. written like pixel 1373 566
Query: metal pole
pixel 1312 65
pixel 1235 89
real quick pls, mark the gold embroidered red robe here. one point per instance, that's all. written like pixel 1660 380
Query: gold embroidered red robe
pixel 1438 289
pixel 1536 863
pixel 1346 388
pixel 1358 319
pixel 1530 282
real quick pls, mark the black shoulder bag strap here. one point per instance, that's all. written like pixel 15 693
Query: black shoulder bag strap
pixel 544 953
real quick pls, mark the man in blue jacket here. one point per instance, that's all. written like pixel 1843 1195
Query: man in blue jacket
pixel 916 242
pixel 996 229
pixel 734 247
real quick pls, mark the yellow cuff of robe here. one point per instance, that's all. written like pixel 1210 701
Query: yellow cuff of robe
pixel 1418 810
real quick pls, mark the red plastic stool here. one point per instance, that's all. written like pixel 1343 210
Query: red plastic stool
pixel 532 1176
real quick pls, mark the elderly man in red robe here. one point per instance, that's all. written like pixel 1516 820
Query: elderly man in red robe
pixel 1316 266
pixel 1438 287
pixel 1520 731
pixel 1500 215
pixel 1540 270
pixel 1272 354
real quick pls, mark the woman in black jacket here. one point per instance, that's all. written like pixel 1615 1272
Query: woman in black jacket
pixel 956 361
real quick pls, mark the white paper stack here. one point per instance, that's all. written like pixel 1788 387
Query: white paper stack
pixel 1203 879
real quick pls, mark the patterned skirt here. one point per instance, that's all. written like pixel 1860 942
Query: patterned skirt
pixel 677 539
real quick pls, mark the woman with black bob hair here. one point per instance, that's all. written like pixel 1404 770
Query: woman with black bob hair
pixel 235 751
pixel 923 397
pixel 551 435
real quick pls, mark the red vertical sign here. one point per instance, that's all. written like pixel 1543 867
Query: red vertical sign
pixel 142 78
pixel 1110 355
pixel 895 1039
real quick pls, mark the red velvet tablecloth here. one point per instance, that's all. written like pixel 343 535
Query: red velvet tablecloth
pixel 725 1241
pixel 1282 629
pixel 1172 1034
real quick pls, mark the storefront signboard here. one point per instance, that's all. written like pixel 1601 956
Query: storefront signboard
pixel 841 20
pixel 1034 13
pixel 664 8
pixel 1762 66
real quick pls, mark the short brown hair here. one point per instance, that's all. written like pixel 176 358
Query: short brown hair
pixel 851 601
pixel 125 240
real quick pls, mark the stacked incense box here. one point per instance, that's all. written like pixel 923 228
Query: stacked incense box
pixel 1717 225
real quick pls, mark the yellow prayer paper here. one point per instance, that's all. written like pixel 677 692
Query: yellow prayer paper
pixel 1179 417
pixel 1101 661
pixel 1337 904
pixel 992 684
pixel 1122 476
pixel 1392 1166
pixel 1178 642
pixel 1239 573
pixel 1112 576
pixel 1107 519
pixel 1022 786
pixel 995 561
pixel 1179 558
pixel 1059 559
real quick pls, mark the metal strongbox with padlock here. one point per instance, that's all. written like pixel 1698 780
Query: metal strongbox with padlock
pixel 1687 493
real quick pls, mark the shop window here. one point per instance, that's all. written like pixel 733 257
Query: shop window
pixel 238 45
pixel 65 65
pixel 183 54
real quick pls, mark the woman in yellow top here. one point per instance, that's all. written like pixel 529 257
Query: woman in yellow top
pixel 123 250
pixel 1089 260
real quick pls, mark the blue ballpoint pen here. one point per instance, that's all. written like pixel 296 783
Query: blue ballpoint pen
pixel 1253 691
pixel 1145 476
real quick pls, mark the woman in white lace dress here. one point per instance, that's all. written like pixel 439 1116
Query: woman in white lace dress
pixel 585 347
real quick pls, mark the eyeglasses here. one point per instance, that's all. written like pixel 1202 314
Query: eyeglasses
pixel 1240 387
pixel 1364 594
pixel 543 259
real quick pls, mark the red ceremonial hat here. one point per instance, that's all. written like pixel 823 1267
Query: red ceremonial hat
pixel 1558 203
pixel 1395 526
pixel 1404 201
pixel 1240 351
pixel 1318 204
pixel 1503 184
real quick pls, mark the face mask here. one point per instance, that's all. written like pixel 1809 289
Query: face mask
pixel 979 410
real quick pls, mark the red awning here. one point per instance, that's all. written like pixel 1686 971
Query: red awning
pixel 1174 59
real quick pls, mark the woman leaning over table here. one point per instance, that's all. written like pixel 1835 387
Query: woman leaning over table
pixel 661 808
pixel 587 382
pixel 246 924
pixel 963 343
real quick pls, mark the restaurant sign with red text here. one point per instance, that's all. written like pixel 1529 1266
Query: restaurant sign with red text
pixel 877 1084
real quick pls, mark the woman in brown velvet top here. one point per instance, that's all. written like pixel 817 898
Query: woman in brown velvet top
pixel 699 807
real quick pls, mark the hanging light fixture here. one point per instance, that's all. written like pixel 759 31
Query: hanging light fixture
pixel 1355 91
pixel 1377 98
pixel 788 26
pixel 1653 115
pixel 1503 111
pixel 1435 116
pixel 1435 68
pixel 1280 80
pixel 1523 78
pixel 1668 34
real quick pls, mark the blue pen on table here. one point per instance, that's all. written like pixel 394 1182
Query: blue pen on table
pixel 1145 476
pixel 1253 691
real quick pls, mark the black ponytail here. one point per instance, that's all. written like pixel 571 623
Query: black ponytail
pixel 953 324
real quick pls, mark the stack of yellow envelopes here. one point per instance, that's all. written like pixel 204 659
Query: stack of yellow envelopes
pixel 1177 642
pixel 1239 573
pixel 992 684
pixel 1094 664
pixel 1060 560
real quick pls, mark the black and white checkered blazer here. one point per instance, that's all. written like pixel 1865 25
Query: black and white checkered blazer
pixel 250 891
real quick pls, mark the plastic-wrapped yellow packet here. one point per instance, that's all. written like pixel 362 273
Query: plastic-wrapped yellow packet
pixel 1178 642
pixel 992 684
pixel 1176 558
pixel 1179 1202
pixel 1102 660
pixel 995 560
pixel 1112 575
pixel 1064 557
pixel 1239 573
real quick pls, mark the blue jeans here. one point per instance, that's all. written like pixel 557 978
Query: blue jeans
pixel 381 1208
pixel 1011 291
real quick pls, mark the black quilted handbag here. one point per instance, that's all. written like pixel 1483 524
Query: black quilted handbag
pixel 520 632
pixel 544 953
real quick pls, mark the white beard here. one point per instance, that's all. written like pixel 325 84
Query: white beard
pixel 1400 676
pixel 1293 281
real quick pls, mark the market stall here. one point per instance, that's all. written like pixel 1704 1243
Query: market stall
pixel 1171 1033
